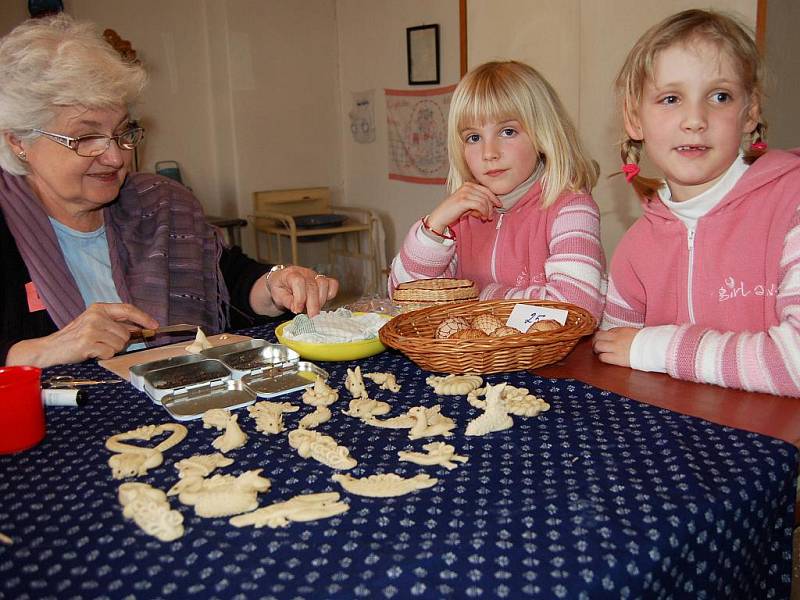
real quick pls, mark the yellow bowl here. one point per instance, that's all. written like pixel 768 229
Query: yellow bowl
pixel 332 352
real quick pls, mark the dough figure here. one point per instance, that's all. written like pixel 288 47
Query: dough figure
pixel 233 437
pixel 438 453
pixel 149 509
pixel 454 385
pixel 307 507
pixel 221 495
pixel 384 486
pixel 321 394
pixel 322 448
pixel 137 460
pixel 355 383
pixel 387 381
pixel 495 418
pixel 199 344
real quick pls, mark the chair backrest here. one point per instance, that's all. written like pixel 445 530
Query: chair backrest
pixel 294 202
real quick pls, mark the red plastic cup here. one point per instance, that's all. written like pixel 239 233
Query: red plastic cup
pixel 21 409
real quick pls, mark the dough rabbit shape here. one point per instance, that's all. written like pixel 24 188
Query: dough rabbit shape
pixel 438 453
pixel 150 510
pixel 322 448
pixel 454 385
pixel 387 381
pixel 220 419
pixel 221 495
pixel 355 383
pixel 321 394
pixel 137 460
pixel 495 418
pixel 306 507
pixel 384 486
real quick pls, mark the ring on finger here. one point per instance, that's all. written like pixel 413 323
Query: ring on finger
pixel 319 276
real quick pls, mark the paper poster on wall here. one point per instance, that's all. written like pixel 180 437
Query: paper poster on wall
pixel 417 132
pixel 362 117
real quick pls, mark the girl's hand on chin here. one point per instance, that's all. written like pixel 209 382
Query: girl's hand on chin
pixel 471 198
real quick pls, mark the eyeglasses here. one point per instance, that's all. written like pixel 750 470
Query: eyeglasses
pixel 96 144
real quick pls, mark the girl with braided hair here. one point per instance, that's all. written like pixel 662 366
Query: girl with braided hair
pixel 705 285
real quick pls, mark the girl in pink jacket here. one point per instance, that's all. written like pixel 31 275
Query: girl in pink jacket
pixel 705 285
pixel 520 220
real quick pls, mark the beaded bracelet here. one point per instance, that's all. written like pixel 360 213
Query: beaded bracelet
pixel 441 234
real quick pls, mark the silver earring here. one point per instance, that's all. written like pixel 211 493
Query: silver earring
pixel 22 156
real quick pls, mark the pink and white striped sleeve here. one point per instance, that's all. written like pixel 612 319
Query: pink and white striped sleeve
pixel 764 361
pixel 422 258
pixel 575 269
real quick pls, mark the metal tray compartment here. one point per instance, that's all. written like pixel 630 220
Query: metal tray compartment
pixel 191 403
pixel 243 357
pixel 274 381
pixel 164 381
pixel 138 372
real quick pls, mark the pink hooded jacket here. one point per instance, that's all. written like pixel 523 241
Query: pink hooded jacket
pixel 526 252
pixel 734 290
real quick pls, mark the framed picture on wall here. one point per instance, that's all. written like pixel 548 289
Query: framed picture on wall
pixel 422 49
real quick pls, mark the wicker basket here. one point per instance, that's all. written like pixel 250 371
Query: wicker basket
pixel 413 334
pixel 424 293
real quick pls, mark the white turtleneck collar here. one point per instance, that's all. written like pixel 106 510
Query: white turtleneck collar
pixel 512 197
pixel 689 211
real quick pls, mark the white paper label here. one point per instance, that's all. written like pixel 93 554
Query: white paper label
pixel 525 315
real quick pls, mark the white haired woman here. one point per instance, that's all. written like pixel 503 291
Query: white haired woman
pixel 89 250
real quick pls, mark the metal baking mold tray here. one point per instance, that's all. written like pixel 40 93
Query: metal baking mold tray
pixel 244 357
pixel 138 372
pixel 283 379
pixel 160 382
pixel 190 403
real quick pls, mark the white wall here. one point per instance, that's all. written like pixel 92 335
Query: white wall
pixel 372 47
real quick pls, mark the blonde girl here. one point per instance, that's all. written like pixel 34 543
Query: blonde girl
pixel 704 286
pixel 519 219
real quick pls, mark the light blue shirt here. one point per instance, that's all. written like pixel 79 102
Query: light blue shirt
pixel 87 257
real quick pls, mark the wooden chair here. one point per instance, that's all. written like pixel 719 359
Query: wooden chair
pixel 276 217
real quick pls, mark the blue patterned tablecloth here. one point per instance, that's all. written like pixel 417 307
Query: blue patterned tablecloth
pixel 601 497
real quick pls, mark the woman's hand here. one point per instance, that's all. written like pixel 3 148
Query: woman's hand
pixel 292 288
pixel 614 346
pixel 100 331
pixel 470 198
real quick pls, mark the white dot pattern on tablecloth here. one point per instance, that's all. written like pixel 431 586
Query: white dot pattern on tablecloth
pixel 599 497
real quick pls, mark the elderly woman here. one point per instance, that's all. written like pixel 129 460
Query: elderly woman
pixel 89 250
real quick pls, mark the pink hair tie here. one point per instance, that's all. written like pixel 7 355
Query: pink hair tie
pixel 631 170
pixel 760 146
